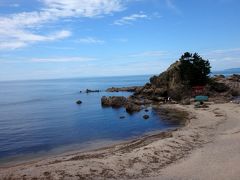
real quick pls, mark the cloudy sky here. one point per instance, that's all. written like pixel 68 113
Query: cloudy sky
pixel 44 39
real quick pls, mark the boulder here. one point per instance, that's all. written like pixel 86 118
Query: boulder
pixel 219 87
pixel 78 102
pixel 186 101
pixel 146 117
pixel 113 101
pixel 131 107
pixel 234 77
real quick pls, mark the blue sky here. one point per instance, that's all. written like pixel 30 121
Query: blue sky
pixel 44 39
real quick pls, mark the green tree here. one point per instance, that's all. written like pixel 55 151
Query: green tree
pixel 194 69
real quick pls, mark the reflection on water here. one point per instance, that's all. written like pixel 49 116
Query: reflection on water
pixel 42 116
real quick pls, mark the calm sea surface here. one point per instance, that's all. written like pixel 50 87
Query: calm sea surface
pixel 41 116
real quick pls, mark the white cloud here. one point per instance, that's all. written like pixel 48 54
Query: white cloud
pixel 223 58
pixel 86 8
pixel 172 6
pixel 91 40
pixel 11 45
pixel 62 59
pixel 150 54
pixel 130 19
pixel 20 28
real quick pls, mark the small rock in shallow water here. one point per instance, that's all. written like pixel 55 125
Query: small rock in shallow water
pixel 122 117
pixel 131 108
pixel 146 117
pixel 91 91
pixel 146 110
pixel 78 102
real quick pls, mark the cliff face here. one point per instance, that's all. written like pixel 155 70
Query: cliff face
pixel 167 84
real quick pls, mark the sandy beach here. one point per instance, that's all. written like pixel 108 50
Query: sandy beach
pixel 207 147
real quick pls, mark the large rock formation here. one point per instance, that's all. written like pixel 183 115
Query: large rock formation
pixel 170 84
pixel 167 84
pixel 127 89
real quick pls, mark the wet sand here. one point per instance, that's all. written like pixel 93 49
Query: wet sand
pixel 206 144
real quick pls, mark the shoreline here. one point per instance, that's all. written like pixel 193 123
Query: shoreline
pixel 171 115
pixel 139 158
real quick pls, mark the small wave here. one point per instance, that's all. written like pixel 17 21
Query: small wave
pixel 22 102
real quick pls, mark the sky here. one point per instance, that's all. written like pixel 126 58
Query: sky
pixel 48 39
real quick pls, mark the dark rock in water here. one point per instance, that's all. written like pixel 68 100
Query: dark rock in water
pixel 113 101
pixel 146 117
pixel 78 102
pixel 127 89
pixel 122 117
pixel 91 91
pixel 80 91
pixel 146 110
pixel 131 107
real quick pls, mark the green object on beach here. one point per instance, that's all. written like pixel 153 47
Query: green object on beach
pixel 201 98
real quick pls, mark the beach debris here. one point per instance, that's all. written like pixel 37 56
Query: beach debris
pixel 78 102
pixel 146 116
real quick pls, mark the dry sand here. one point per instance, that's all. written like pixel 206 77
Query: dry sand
pixel 206 148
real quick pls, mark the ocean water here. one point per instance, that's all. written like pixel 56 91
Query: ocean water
pixel 41 116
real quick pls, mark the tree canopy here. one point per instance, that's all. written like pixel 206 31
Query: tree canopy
pixel 194 69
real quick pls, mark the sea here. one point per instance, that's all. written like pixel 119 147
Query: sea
pixel 41 117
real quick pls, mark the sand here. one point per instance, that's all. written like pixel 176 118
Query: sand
pixel 206 148
pixel 220 159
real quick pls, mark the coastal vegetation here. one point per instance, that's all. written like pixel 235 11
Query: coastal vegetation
pixel 194 69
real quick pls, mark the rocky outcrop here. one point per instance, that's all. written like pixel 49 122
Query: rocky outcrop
pixel 92 91
pixel 127 89
pixel 167 84
pixel 132 107
pixel 130 104
pixel 113 101
pixel 223 88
